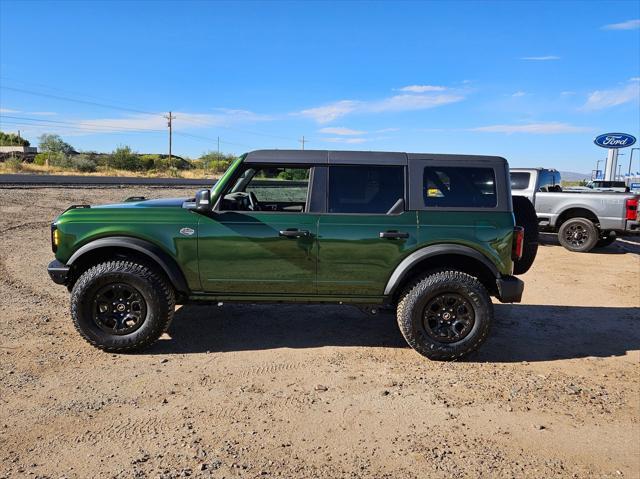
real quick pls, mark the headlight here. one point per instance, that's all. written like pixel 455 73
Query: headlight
pixel 55 237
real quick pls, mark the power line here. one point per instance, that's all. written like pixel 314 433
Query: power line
pixel 239 130
pixel 26 121
pixel 135 110
pixel 108 128
pixel 76 100
pixel 81 126
pixel 68 92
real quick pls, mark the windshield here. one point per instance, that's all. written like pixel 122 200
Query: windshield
pixel 219 185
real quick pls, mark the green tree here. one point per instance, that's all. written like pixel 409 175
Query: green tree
pixel 217 162
pixel 50 143
pixel 11 139
pixel 123 158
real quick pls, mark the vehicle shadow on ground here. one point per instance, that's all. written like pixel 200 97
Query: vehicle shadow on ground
pixel 521 332
pixel 623 245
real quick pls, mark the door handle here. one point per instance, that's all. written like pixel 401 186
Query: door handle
pixel 393 234
pixel 294 233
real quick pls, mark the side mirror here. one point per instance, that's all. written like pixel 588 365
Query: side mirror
pixel 203 200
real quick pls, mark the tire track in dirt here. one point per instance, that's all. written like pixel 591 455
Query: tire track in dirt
pixel 125 430
pixel 23 225
pixel 10 281
pixel 17 284
pixel 270 368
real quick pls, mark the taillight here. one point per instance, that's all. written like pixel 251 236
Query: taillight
pixel 632 209
pixel 518 243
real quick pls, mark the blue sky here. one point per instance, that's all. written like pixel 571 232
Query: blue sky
pixel 534 82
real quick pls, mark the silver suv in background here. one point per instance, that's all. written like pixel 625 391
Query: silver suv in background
pixel 584 219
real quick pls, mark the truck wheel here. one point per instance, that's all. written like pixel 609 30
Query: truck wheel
pixel 606 241
pixel 120 306
pixel 578 234
pixel 525 216
pixel 446 315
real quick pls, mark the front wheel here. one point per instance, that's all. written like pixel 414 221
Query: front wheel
pixel 121 306
pixel 446 315
pixel 578 234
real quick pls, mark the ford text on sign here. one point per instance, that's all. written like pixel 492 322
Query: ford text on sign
pixel 614 140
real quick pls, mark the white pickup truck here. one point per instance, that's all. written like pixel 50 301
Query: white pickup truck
pixel 583 219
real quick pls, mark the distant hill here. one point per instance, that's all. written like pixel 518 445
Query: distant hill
pixel 573 176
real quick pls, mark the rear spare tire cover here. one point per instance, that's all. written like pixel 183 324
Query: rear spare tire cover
pixel 525 215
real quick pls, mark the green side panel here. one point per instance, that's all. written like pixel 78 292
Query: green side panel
pixel 159 225
pixel 243 253
pixel 490 233
pixel 353 259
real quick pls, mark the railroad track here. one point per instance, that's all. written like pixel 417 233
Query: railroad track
pixel 63 181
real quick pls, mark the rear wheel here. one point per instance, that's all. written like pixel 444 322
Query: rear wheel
pixel 578 234
pixel 525 216
pixel 121 306
pixel 445 315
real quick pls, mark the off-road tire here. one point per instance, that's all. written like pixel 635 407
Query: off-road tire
pixel 588 229
pixel 412 305
pixel 153 287
pixel 604 242
pixel 525 216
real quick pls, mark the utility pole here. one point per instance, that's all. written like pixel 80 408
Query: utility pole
pixel 218 148
pixel 303 141
pixel 170 117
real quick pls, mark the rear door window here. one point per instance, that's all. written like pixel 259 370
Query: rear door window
pixel 364 189
pixel 459 187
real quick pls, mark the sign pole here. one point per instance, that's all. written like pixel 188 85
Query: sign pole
pixel 611 165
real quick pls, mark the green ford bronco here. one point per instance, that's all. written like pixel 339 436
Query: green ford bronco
pixel 433 236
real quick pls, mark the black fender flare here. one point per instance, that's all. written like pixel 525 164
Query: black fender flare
pixel 429 252
pixel 146 248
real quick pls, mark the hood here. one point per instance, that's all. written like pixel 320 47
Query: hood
pixel 142 203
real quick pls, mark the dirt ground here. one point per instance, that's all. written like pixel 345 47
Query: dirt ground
pixel 318 391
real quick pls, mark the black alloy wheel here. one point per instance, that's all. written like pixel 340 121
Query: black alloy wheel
pixel 576 235
pixel 448 317
pixel 119 308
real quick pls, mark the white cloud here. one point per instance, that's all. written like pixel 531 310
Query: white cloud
pixel 548 128
pixel 411 102
pixel 601 99
pixel 541 59
pixel 628 25
pixel 634 79
pixel 568 93
pixel 387 130
pixel 405 102
pixel 345 140
pixel 341 131
pixel 422 88
pixel 8 110
pixel 328 113
pixel 182 120
pixel 518 94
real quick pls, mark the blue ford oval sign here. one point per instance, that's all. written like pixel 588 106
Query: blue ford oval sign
pixel 614 140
